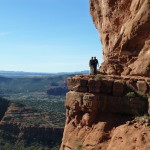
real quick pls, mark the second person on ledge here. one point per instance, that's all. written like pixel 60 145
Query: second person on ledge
pixel 93 63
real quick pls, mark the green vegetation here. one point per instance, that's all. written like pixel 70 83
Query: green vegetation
pixel 144 96
pixel 122 82
pixel 52 106
pixel 31 84
pixel 133 94
pixel 32 91
pixel 39 100
pixel 79 147
pixel 99 77
pixel 145 118
pixel 130 94
pixel 6 144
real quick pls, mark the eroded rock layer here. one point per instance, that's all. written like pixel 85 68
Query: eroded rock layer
pixel 124 28
pixel 100 113
pixel 101 109
pixel 26 125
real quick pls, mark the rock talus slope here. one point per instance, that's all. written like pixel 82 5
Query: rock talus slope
pixel 124 28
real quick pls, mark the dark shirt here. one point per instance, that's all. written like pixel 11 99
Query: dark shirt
pixel 92 62
pixel 96 62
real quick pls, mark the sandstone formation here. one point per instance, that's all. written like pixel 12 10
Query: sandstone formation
pixel 25 125
pixel 100 113
pixel 124 28
pixel 107 134
pixel 122 95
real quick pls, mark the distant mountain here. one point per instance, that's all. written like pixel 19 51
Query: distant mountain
pixel 11 85
pixel 19 74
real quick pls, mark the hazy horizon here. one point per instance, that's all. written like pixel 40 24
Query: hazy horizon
pixel 47 36
pixel 43 72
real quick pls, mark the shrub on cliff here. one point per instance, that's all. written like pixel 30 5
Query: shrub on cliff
pixel 130 94
pixel 99 77
pixel 144 119
pixel 79 147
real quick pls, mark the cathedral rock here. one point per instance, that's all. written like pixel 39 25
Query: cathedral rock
pixel 111 110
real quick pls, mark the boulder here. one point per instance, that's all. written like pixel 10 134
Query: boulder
pixel 142 87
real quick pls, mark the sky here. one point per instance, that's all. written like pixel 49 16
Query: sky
pixel 47 36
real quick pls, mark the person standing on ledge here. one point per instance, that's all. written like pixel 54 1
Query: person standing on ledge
pixel 95 65
pixel 91 65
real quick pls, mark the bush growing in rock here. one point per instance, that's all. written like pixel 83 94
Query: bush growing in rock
pixel 99 77
pixel 130 94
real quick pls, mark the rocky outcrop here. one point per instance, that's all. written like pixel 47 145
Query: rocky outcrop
pixel 107 95
pixel 107 134
pixel 57 91
pixel 124 28
pixel 26 125
pixel 100 110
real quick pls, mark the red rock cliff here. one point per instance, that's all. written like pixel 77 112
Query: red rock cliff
pixel 101 110
pixel 124 28
pixel 100 114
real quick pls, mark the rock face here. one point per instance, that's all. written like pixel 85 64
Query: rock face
pixel 100 113
pixel 124 28
pixel 107 96
pixel 101 110
pixel 107 134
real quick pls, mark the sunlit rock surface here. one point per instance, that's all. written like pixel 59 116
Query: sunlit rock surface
pixel 124 28
pixel 100 113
